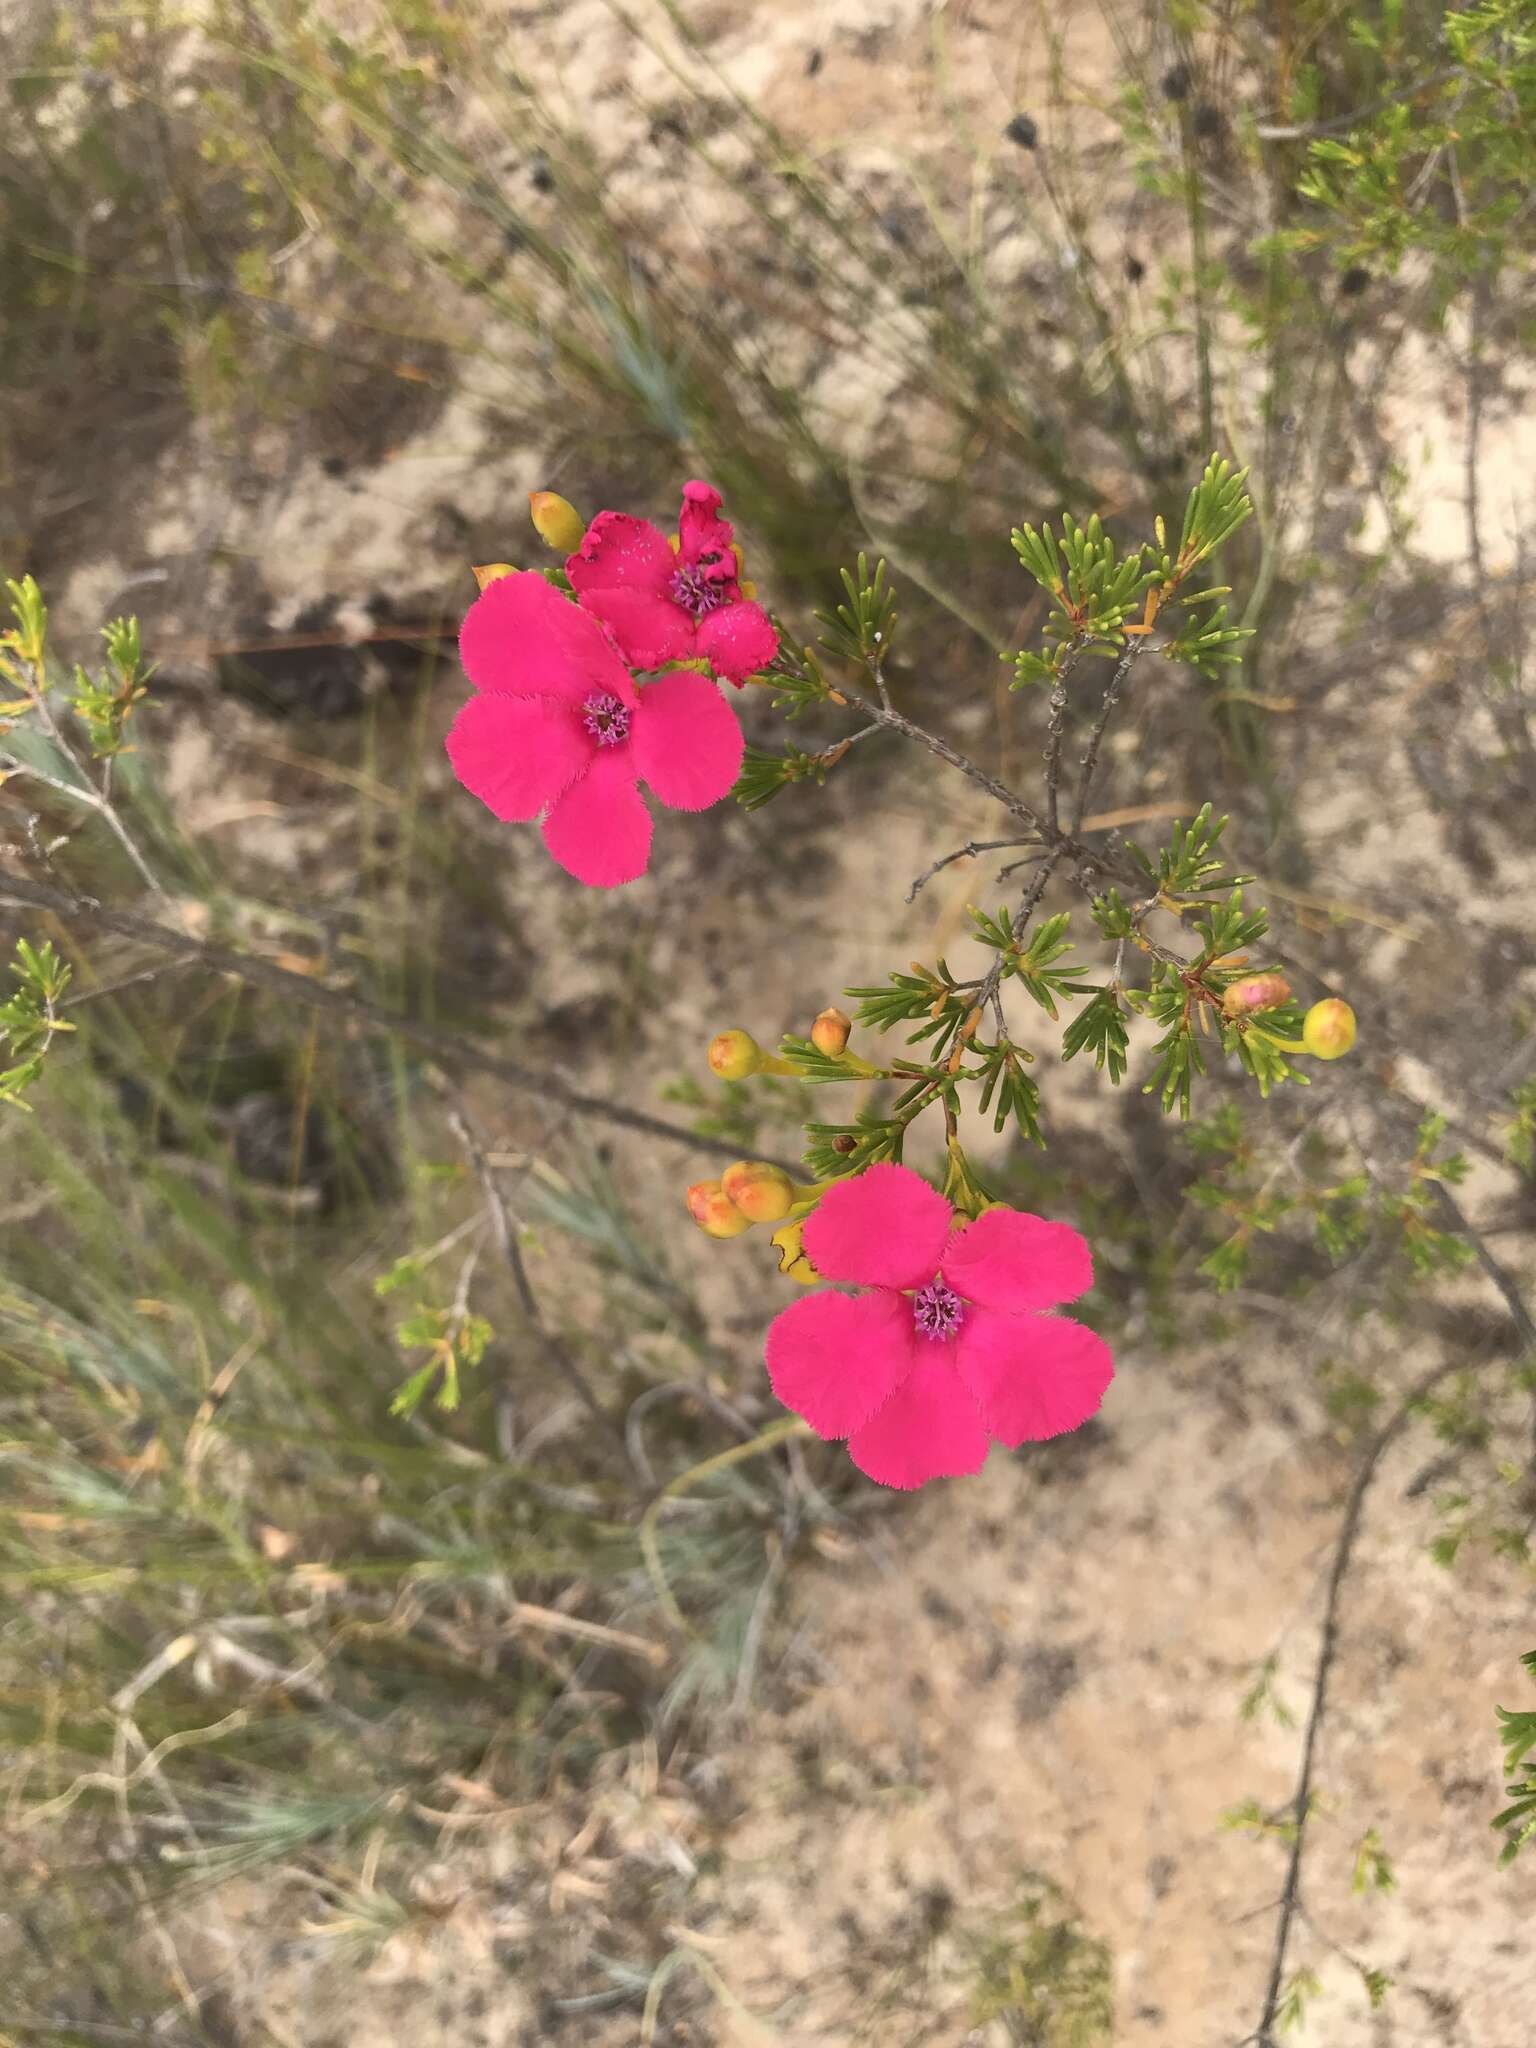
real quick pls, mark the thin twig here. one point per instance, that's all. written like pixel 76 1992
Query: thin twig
pixel 1014 805
pixel 671 1390
pixel 1301 1802
pixel 780 1546
pixel 91 800
pixel 506 1243
pixel 989 992
pixel 552 1622
pixel 970 850
pixel 84 790
pixel 1096 738
pixel 1519 1314
pixel 1053 731
pixel 1194 208
pixel 1269 131
pixel 317 995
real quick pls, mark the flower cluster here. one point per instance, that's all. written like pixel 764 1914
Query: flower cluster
pixel 927 1332
pixel 587 684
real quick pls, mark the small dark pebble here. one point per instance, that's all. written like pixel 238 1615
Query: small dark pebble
pixel 1354 281
pixel 1135 269
pixel 1022 130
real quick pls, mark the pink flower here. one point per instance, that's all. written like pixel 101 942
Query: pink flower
pixel 559 726
pixel 662 606
pixel 948 1348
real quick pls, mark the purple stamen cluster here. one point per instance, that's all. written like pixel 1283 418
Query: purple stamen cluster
pixel 937 1310
pixel 693 590
pixel 605 718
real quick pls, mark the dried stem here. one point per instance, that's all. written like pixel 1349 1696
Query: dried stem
pixel 1300 1803
pixel 1096 738
pixel 989 992
pixel 883 714
pixel 1053 732
pixel 316 995
pixel 84 791
pixel 505 1238
pixel 971 849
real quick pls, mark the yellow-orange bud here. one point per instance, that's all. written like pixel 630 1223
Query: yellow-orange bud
pixel 557 522
pixel 714 1211
pixel 1329 1029
pixel 733 1055
pixel 492 572
pixel 792 1260
pixel 829 1034
pixel 1255 992
pixel 763 1193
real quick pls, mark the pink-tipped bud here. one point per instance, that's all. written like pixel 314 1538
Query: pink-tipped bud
pixel 762 1193
pixel 492 572
pixel 829 1034
pixel 714 1211
pixel 1329 1029
pixel 734 1055
pixel 1255 992
pixel 792 1260
pixel 557 522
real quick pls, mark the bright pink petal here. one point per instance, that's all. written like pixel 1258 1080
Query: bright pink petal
pixel 1032 1376
pixel 700 529
pixel 1007 1259
pixel 884 1228
pixel 737 640
pixel 834 1358
pixel 688 746
pixel 517 753
pixel 618 550
pixel 930 1428
pixel 600 830
pixel 650 630
pixel 522 638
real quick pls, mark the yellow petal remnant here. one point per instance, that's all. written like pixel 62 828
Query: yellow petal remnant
pixel 792 1260
pixel 492 572
pixel 556 521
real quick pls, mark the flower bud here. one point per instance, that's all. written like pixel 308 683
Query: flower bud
pixel 492 572
pixel 792 1260
pixel 763 1193
pixel 558 524
pixel 829 1034
pixel 1329 1029
pixel 1255 992
pixel 714 1211
pixel 733 1055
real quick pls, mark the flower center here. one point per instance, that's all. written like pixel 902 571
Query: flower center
pixel 605 718
pixel 693 590
pixel 937 1310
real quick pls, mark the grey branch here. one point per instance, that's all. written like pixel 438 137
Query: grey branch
pixel 452 1050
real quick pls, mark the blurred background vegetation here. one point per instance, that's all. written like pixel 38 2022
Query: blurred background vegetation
pixel 300 297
